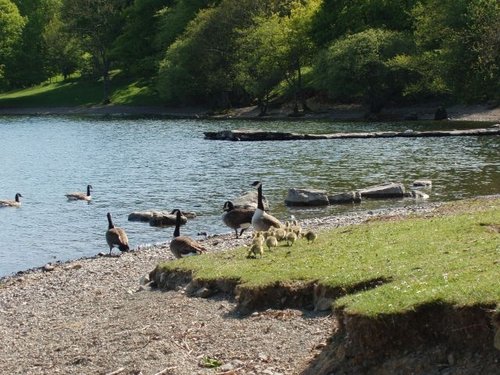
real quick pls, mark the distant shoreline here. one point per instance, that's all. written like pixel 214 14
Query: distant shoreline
pixel 480 113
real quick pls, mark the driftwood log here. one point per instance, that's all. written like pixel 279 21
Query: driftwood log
pixel 257 135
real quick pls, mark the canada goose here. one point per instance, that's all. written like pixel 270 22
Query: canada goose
pixel 261 220
pixel 116 237
pixel 77 196
pixel 310 236
pixel 237 217
pixel 182 246
pixel 255 249
pixel 15 203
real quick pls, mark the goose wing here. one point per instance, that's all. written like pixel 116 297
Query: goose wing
pixel 9 203
pixel 77 196
pixel 116 236
pixel 238 217
pixel 262 221
pixel 183 246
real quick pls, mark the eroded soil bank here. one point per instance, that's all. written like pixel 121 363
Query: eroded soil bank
pixel 433 339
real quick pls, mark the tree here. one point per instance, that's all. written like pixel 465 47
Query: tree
pixel 358 66
pixel 97 24
pixel 11 26
pixel 200 65
pixel 457 50
pixel 28 64
pixel 136 50
pixel 260 64
pixel 276 48
pixel 64 54
pixel 338 18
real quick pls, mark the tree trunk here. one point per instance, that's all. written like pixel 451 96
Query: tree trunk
pixel 105 81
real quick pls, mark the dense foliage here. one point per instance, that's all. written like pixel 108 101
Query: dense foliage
pixel 233 52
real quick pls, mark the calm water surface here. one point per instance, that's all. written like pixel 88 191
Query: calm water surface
pixel 141 164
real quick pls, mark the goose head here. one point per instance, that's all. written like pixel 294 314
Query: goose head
pixel 18 195
pixel 256 184
pixel 228 206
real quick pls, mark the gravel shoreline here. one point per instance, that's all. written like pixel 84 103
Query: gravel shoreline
pixel 93 316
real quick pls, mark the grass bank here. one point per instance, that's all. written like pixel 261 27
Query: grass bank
pixel 76 91
pixel 378 268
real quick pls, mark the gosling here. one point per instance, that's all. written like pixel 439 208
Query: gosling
pixel 271 241
pixel 291 237
pixel 310 236
pixel 255 249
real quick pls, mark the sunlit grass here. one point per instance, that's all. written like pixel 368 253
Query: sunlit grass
pixel 77 91
pixel 452 258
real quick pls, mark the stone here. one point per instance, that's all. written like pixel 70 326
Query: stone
pixel 249 200
pixel 203 292
pixel 441 114
pixel 306 197
pixel 48 267
pixel 417 194
pixel 226 367
pixel 144 280
pixel 159 218
pixel 388 190
pixel 421 183
pixel 342 198
pixel 140 216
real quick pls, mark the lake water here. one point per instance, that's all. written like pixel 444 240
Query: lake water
pixel 142 164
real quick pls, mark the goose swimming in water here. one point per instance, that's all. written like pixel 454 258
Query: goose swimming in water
pixel 262 221
pixel 9 203
pixel 182 246
pixel 116 237
pixel 237 217
pixel 78 196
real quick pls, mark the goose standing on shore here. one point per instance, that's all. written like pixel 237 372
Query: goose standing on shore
pixel 237 217
pixel 15 203
pixel 78 196
pixel 182 246
pixel 262 221
pixel 116 237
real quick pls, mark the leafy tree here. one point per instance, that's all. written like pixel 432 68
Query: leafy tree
pixel 136 50
pixel 338 18
pixel 261 65
pixel 64 54
pixel 199 65
pixel 457 51
pixel 174 18
pixel 97 24
pixel 358 67
pixel 28 63
pixel 11 26
pixel 276 48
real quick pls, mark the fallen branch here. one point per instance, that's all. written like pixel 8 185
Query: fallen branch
pixel 164 371
pixel 121 369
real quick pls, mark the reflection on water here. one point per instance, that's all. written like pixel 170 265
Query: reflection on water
pixel 145 164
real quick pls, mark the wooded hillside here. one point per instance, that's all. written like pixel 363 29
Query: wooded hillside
pixel 226 53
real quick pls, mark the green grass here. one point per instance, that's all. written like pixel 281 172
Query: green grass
pixel 452 258
pixel 80 92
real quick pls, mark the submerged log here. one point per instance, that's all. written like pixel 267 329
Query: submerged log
pixel 258 135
